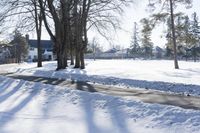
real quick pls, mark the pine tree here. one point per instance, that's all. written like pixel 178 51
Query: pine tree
pixel 20 47
pixel 186 28
pixel 147 45
pixel 187 36
pixel 135 41
pixel 195 39
pixel 171 6
pixel 180 38
pixel 169 45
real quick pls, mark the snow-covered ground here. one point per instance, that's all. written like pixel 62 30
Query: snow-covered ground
pixel 156 74
pixel 27 107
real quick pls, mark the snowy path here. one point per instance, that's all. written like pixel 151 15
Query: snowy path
pixel 148 96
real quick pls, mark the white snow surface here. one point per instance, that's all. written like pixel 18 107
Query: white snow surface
pixel 149 74
pixel 28 107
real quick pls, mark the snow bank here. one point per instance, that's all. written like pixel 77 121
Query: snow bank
pixel 38 108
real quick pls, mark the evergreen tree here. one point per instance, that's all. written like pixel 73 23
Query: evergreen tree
pixel 195 39
pixel 172 4
pixel 135 48
pixel 186 28
pixel 180 38
pixel 187 37
pixel 20 47
pixel 169 45
pixel 147 45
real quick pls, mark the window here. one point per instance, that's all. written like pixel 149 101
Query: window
pixel 31 48
pixel 50 57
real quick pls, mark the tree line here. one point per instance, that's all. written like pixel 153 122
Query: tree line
pixel 187 37
pixel 182 35
pixel 68 21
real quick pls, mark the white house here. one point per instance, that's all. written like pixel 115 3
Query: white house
pixel 47 49
pixel 4 53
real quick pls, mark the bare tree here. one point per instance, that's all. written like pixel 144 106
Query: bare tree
pixel 72 19
pixel 28 16
pixel 38 27
pixel 60 12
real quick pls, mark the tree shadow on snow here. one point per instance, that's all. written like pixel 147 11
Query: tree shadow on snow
pixel 90 106
pixel 157 85
pixel 21 98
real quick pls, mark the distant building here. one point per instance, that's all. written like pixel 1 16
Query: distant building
pixel 47 49
pixel 158 52
pixel 110 54
pixel 4 54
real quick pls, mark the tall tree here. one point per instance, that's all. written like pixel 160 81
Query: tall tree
pixel 171 5
pixel 186 29
pixel 169 45
pixel 195 36
pixel 173 35
pixel 77 17
pixel 135 41
pixel 38 27
pixel 60 13
pixel 20 47
pixel 147 44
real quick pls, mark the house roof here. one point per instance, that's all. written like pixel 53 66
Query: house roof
pixel 46 44
pixel 113 50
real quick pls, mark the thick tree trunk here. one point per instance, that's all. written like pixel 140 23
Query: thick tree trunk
pixel 59 49
pixel 38 25
pixel 71 58
pixel 59 60
pixel 65 60
pixel 82 60
pixel 173 36
pixel 39 63
pixel 77 61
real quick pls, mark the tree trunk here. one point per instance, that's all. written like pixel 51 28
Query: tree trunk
pixel 82 59
pixel 77 61
pixel 173 36
pixel 59 60
pixel 39 63
pixel 65 60
pixel 71 58
pixel 38 25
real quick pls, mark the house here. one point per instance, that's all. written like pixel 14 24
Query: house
pixel 158 52
pixel 47 49
pixel 4 53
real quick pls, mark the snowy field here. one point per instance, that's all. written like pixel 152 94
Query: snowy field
pixel 158 75
pixel 27 107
